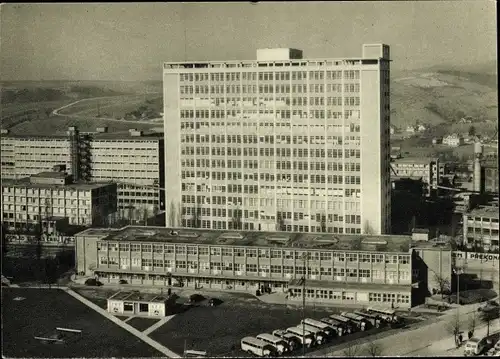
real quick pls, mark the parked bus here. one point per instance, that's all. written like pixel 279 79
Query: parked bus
pixel 256 346
pixel 279 344
pixel 319 335
pixel 291 340
pixel 387 314
pixel 304 337
pixel 360 321
pixel 375 320
pixel 350 328
pixel 340 328
pixel 328 330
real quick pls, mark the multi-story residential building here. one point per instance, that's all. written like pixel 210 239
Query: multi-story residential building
pixel 338 269
pixel 281 143
pixel 133 160
pixel 48 196
pixel 490 175
pixel 480 228
pixel 426 169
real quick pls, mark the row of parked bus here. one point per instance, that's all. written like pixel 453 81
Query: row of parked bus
pixel 312 332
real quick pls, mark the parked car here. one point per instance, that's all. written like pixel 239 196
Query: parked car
pixel 93 282
pixel 495 349
pixel 213 302
pixel 490 305
pixel 123 281
pixel 474 346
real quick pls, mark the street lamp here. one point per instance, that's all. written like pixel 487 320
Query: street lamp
pixel 305 259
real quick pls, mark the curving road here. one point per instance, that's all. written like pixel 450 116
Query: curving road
pixel 56 112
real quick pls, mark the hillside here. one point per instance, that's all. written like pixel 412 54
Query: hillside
pixel 440 96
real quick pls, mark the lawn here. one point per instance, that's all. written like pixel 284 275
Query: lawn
pixel 41 311
pixel 141 324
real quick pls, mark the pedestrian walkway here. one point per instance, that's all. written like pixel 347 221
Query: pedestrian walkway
pixel 167 352
pixel 157 325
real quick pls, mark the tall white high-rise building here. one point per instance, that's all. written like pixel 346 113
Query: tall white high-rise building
pixel 280 143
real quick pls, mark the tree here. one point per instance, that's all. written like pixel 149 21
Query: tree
pixel 488 315
pixel 472 322
pixel 195 219
pixel 351 351
pixel 145 215
pixel 171 215
pixel 4 240
pixel 180 212
pixel 356 244
pixel 472 131
pixel 443 284
pixel 453 327
pixel 322 223
pixel 373 349
pixel 367 229
pixel 280 222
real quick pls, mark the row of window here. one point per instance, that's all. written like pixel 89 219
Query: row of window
pixel 270 76
pixel 253 252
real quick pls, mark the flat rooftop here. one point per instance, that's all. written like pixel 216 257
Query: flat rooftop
pixel 485 211
pixel 135 296
pixel 415 160
pixel 25 182
pixel 119 135
pixel 331 241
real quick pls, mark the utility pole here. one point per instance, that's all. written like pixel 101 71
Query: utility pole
pixel 305 257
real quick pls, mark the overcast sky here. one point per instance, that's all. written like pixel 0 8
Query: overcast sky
pixel 129 41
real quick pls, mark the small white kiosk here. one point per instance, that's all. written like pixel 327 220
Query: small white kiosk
pixel 138 304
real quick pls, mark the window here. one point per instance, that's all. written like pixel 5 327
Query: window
pixel 364 273
pixel 391 259
pixel 158 248
pixel 340 257
pixel 288 254
pixel 192 264
pixel 228 266
pixel 351 272
pixel 275 253
pixel 146 262
pixel 378 274
pixel 227 252
pixel 113 246
pixel 158 263
pixel 326 271
pixel 365 258
pixel 203 251
pixel 263 253
pixel 251 268
pixel 404 259
pixel 352 257
pixel 275 269
pixel 338 272
pixel 169 249
pixel 375 297
pixel 251 253
pixel 377 258
pixel 404 276
pixel 180 249
pixel 300 270
pixel 326 256
pixel 180 264
pixel 192 250
pixel 347 296
pixel 124 247
pixel 101 246
pixel 215 251
pixel 146 248
pixel 239 252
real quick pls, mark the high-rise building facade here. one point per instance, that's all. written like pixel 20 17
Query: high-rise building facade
pixel 280 143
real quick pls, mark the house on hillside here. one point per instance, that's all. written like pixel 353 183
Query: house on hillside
pixel 453 140
pixel 410 129
pixel 466 119
pixel 437 140
pixel 421 128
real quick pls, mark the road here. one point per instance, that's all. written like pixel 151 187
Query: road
pixel 410 341
pixel 56 112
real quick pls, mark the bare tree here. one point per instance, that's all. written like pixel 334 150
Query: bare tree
pixel 195 219
pixel 374 349
pixel 180 211
pixel 443 283
pixel 322 223
pixel 488 315
pixel 453 327
pixel 280 221
pixel 171 215
pixel 472 322
pixel 367 229
pixel 145 215
pixel 356 244
pixel 351 351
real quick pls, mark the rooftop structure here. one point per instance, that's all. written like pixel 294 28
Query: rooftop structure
pixel 385 243
pixel 27 182
pixel 136 296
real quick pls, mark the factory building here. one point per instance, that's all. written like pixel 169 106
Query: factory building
pixel 280 143
pixel 425 169
pixel 133 160
pixel 480 228
pixel 339 269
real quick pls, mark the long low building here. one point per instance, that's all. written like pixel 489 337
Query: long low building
pixel 340 269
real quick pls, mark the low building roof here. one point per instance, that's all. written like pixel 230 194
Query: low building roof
pixel 329 241
pixel 485 212
pixel 26 183
pixel 136 296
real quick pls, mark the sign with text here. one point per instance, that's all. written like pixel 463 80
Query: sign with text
pixel 485 257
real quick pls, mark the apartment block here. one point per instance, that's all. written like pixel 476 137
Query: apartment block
pixel 338 269
pixel 279 143
pixel 133 160
pixel 49 196
pixel 480 228
pixel 425 169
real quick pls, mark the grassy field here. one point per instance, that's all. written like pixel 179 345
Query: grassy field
pixel 142 324
pixel 41 311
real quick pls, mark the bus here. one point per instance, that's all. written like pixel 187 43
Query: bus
pixel 279 344
pixel 340 328
pixel 256 346
pixel 374 319
pixel 360 321
pixel 319 335
pixel 328 330
pixel 194 354
pixel 304 337
pixel 291 340
pixel 350 328
pixel 387 314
